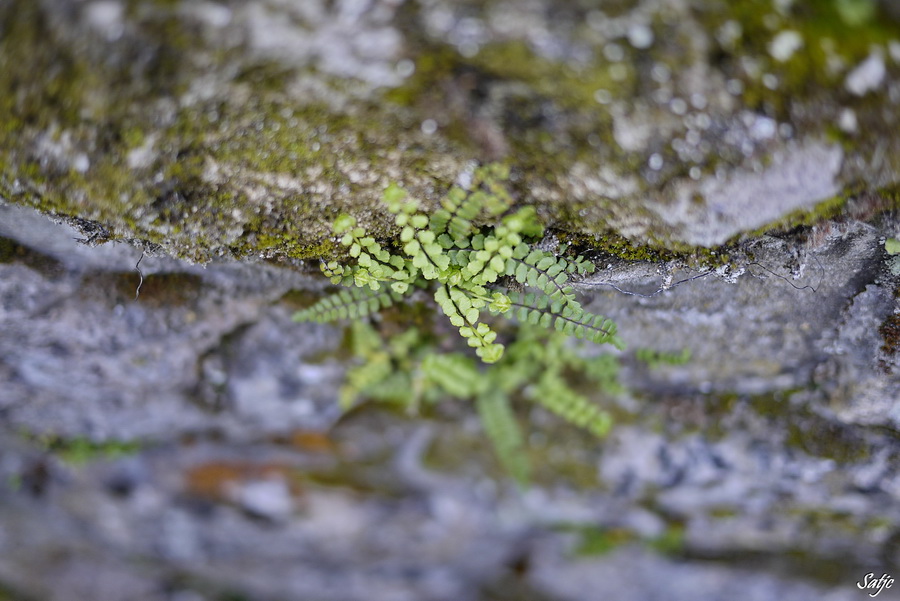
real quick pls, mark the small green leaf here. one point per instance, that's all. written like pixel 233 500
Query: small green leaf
pixel 343 223
pixel 892 246
pixel 393 194
pixel 412 248
pixel 500 303
pixel 491 353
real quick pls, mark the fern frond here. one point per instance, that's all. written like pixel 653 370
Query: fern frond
pixel 570 319
pixel 460 208
pixel 455 373
pixel 463 311
pixel 503 431
pixel 552 393
pixel 363 379
pixel 543 270
pixel 349 303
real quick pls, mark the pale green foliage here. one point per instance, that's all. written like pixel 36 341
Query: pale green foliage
pixel 463 265
pixel 539 367
pixel 500 425
pixel 654 358
pixel 892 246
pixel 856 12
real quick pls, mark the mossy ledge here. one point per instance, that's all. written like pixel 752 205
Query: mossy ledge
pixel 177 132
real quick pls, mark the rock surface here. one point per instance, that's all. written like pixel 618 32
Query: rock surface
pixel 728 477
pixel 242 128
pixel 168 433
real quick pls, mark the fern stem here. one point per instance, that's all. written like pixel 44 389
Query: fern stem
pixel 575 322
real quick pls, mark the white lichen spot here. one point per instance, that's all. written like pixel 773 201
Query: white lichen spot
pixel 728 274
pixel 405 68
pixel 640 36
pixel 702 121
pixel 763 128
pixel 770 81
pixel 106 17
pixel 866 76
pixel 735 87
pixel 894 50
pixel 142 157
pixel 655 162
pixel 81 163
pixel 692 137
pixel 660 73
pixel 618 72
pixel 429 126
pixel 729 33
pixel 678 106
pixel 613 52
pixel 662 96
pixel 602 96
pixel 785 44
pixel 468 49
pixel 847 121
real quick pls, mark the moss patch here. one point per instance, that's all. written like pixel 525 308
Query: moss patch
pixel 120 132
pixel 890 334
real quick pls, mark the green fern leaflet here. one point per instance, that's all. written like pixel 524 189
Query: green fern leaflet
pixel 467 267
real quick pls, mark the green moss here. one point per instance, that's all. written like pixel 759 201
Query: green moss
pixel 94 109
pixel 80 450
pixel 570 87
pixel 827 209
pixel 616 245
pixel 28 46
pixel 890 194
pixel 805 429
pixel 890 334
pixel 806 74
pixel 596 540
pixel 600 541
pixel 509 102
pixel 260 173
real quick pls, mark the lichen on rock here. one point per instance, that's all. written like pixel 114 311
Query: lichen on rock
pixel 242 129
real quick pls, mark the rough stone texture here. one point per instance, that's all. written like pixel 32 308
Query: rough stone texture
pixel 186 445
pixel 243 128
pixel 752 483
pixel 130 364
pixel 797 296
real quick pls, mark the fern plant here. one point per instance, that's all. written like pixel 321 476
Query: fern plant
pixel 467 267
pixel 539 368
